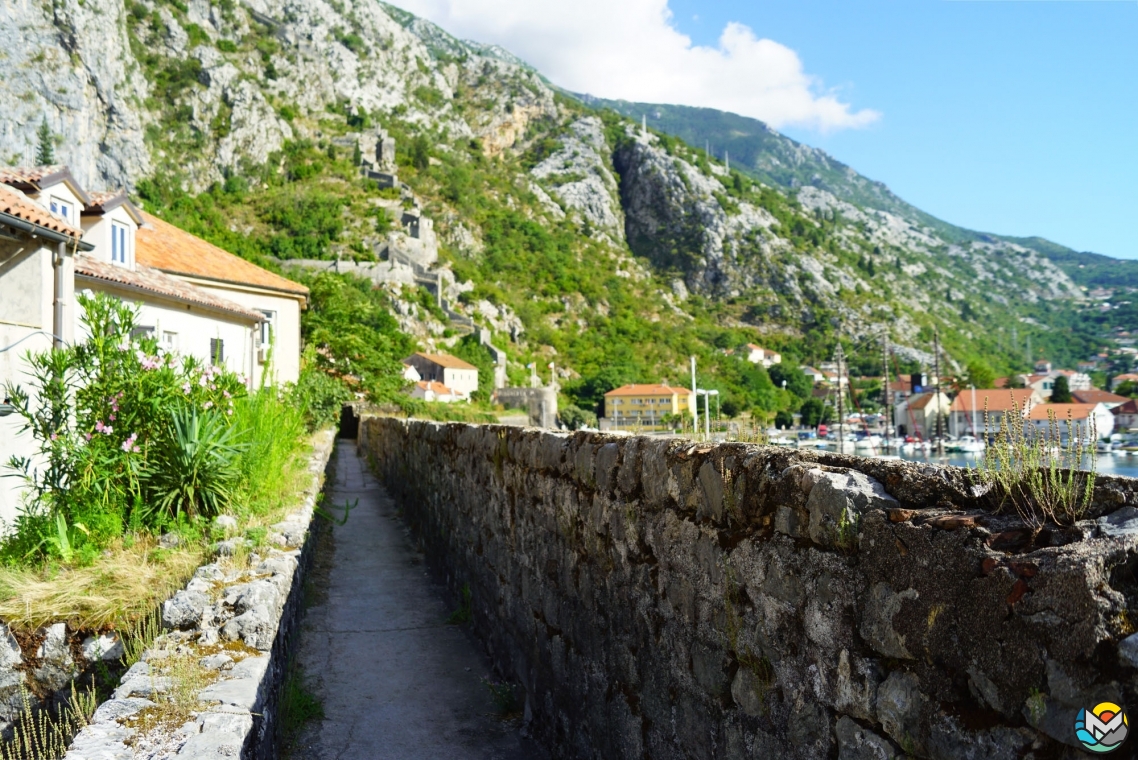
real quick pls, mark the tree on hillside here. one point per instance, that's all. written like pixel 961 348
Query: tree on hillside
pixel 45 151
pixel 1127 388
pixel 1061 391
pixel 980 375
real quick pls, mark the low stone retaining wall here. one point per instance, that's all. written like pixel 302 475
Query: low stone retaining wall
pixel 230 632
pixel 657 598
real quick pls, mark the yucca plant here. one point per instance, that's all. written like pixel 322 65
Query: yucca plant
pixel 195 470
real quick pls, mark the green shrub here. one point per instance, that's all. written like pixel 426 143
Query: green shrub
pixel 194 471
pixel 575 418
pixel 319 397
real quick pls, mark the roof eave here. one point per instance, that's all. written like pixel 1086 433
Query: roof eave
pixel 245 315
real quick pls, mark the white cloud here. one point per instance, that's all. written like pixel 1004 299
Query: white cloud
pixel 629 49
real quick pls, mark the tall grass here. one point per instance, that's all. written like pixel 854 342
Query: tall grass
pixel 1039 474
pixel 274 436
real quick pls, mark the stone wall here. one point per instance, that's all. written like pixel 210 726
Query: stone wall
pixel 236 622
pixel 658 598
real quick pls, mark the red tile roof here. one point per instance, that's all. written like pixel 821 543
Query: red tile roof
pixel 648 390
pixel 435 387
pixel 1130 407
pixel 17 204
pixel 994 399
pixel 1095 396
pixel 154 282
pixel 36 177
pixel 442 360
pixel 163 246
pixel 1043 412
pixel 921 400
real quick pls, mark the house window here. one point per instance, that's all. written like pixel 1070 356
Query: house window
pixel 142 331
pixel 267 327
pixel 118 243
pixel 61 208
pixel 216 351
pixel 170 340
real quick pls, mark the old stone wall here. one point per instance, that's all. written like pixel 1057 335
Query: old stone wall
pixel 658 598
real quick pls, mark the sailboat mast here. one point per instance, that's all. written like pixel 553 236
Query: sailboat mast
pixel 936 369
pixel 839 357
pixel 885 392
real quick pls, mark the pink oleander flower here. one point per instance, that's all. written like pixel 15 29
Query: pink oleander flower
pixel 226 393
pixel 112 417
pixel 99 427
pixel 209 405
pixel 202 381
pixel 186 387
pixel 128 444
pixel 54 436
pixel 88 436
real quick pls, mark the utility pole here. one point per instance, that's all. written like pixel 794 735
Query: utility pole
pixel 695 398
pixel 839 359
pixel 939 411
pixel 885 391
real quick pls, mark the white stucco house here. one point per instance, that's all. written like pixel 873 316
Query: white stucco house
pixel 432 390
pixel 1086 422
pixel 277 300
pixel 454 373
pixel 57 239
pixel 37 250
pixel 759 355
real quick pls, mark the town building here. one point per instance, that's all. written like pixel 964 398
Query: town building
pixel 759 355
pixel 432 390
pixel 1127 377
pixel 457 375
pixel 1125 416
pixel 1095 396
pixel 1044 383
pixel 647 404
pixel 1086 422
pixel 277 300
pixel 981 411
pixel 813 374
pixel 917 414
pixel 37 250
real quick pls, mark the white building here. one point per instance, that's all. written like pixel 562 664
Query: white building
pixel 432 390
pixel 454 373
pixel 916 415
pixel 1045 383
pixel 36 303
pixel 759 355
pixel 277 300
pixel 981 411
pixel 1087 422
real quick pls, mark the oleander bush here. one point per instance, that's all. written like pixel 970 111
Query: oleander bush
pixel 133 439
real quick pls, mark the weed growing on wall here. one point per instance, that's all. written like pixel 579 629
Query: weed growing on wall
pixel 1037 469
pixel 40 734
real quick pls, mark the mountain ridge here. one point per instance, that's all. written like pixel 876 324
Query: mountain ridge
pixel 769 156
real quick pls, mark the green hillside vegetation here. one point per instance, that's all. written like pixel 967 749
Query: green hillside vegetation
pixel 598 307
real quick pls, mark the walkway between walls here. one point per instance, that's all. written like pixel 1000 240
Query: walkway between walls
pixel 395 680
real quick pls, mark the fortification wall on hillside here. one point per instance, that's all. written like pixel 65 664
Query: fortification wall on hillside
pixel 660 598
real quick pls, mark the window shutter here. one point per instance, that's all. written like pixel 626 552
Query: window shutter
pixel 216 350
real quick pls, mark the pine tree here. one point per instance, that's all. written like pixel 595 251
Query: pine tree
pixel 45 152
pixel 1061 391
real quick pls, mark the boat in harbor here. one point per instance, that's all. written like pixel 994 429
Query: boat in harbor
pixel 965 444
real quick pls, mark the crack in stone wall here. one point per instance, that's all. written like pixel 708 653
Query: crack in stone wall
pixel 658 598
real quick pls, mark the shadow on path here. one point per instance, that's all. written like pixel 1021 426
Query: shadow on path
pixel 395 680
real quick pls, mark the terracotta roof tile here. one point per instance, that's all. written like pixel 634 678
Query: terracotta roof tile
pixel 996 399
pixel 35 177
pixel 1061 411
pixel 442 360
pixel 435 387
pixel 648 390
pixel 1095 396
pixel 17 204
pixel 163 246
pixel 153 281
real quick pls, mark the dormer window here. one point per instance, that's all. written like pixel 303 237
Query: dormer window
pixel 61 208
pixel 119 253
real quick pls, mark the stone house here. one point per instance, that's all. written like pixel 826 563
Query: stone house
pixel 457 375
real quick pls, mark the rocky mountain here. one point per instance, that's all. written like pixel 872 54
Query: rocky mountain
pixel 773 158
pixel 566 231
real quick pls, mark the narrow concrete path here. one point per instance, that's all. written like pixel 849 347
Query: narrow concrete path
pixel 395 680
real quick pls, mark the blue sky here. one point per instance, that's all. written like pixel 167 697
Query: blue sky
pixel 1010 116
